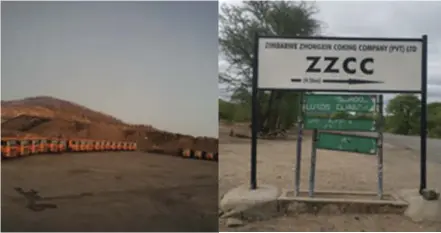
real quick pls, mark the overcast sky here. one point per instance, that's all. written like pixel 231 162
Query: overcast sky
pixel 388 19
pixel 143 62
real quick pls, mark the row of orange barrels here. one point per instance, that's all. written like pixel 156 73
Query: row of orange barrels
pixel 198 154
pixel 18 147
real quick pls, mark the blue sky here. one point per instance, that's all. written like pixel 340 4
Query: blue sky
pixel 143 62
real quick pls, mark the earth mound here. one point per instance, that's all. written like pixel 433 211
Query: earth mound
pixel 47 116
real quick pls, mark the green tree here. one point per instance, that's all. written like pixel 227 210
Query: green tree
pixel 434 119
pixel 404 115
pixel 226 110
pixel 239 24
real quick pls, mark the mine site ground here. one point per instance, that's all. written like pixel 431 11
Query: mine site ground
pixel 109 191
pixel 103 191
pixel 334 171
pixel 136 191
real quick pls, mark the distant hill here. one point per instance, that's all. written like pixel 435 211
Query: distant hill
pixel 51 117
pixel 46 106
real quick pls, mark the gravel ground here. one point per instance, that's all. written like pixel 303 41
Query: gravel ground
pixel 120 191
pixel 334 171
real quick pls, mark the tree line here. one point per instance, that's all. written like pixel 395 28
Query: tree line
pixel 402 115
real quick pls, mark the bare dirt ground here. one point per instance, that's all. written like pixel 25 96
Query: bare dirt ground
pixel 121 191
pixel 334 171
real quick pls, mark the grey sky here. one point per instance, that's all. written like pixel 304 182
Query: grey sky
pixel 387 19
pixel 143 62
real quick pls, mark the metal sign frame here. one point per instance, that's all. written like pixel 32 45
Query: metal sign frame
pixel 423 91
pixel 378 109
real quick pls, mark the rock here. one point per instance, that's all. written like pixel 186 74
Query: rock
pixel 234 222
pixel 430 195
pixel 419 208
pixel 243 202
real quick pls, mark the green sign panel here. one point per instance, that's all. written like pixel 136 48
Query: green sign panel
pixel 339 103
pixel 339 124
pixel 348 143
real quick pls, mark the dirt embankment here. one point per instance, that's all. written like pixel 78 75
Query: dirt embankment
pixel 51 117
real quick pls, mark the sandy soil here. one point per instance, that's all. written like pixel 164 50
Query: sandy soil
pixel 125 191
pixel 337 223
pixel 334 171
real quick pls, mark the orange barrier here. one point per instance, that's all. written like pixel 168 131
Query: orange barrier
pixel 133 146
pixel 16 146
pixel 202 155
pixel 35 145
pixel 62 145
pixel 83 145
pixel 95 145
pixel 73 145
pixel 44 146
pixel 24 147
pixel 108 146
pixel 10 148
pixel 113 146
pixel 125 146
pixel 119 146
pixel 53 145
pixel 89 146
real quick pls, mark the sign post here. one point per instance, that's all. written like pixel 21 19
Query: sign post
pixel 313 163
pixel 329 105
pixel 340 64
pixel 254 115
pixel 423 126
pixel 380 147
pixel 299 146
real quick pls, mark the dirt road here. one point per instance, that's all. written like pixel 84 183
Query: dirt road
pixel 334 171
pixel 120 191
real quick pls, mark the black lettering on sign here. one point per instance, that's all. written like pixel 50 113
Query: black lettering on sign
pixel 349 65
pixel 330 68
pixel 411 49
pixel 346 67
pixel 363 66
pixel 276 45
pixel 312 64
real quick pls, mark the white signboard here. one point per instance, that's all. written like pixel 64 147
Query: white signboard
pixel 353 65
